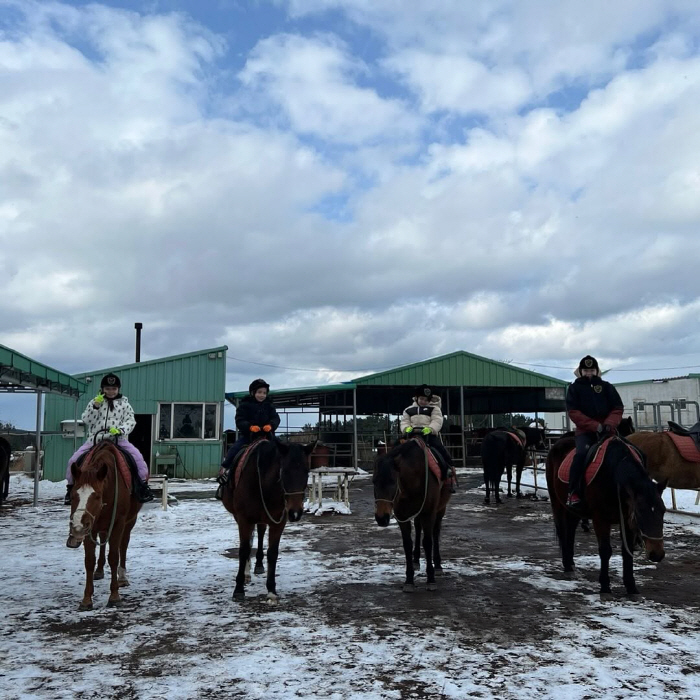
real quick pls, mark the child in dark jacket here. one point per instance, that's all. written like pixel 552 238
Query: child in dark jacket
pixel 254 415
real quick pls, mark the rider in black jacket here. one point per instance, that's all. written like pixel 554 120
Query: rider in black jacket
pixel 255 414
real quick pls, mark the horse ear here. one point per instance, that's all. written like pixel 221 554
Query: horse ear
pixel 310 447
pixel 101 473
pixel 661 486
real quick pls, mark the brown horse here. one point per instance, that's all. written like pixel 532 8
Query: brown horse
pixel 103 511
pixel 270 491
pixel 405 486
pixel 5 454
pixel 664 462
pixel 620 493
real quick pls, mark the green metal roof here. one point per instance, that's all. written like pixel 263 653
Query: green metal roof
pixel 660 380
pixel 460 369
pixel 19 373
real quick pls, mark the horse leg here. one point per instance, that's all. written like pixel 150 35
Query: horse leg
pixel 273 548
pixel 409 586
pixel 260 553
pixel 100 570
pixel 628 565
pixel 509 476
pixel 89 547
pixel 113 560
pixel 437 529
pixel 565 525
pixel 416 546
pixel 245 529
pixel 428 527
pixel 518 475
pixel 122 578
pixel 602 531
pixel 487 483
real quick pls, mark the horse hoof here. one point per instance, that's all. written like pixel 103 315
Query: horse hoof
pixel 114 603
pixel 416 565
pixel 519 495
pixel 259 569
pixel 438 570
pixel 606 596
pixel 123 583
pixel 272 598
pixel 84 607
pixel 431 587
pixel 247 579
pixel 98 575
pixel 487 501
pixel 238 595
pixel 570 575
pixel 409 588
pixel 634 597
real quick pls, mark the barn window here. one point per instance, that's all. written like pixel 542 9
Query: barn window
pixel 188 421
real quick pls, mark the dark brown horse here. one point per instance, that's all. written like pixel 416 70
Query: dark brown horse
pixel 500 450
pixel 405 487
pixel 271 490
pixel 103 511
pixel 620 493
pixel 5 454
pixel 664 462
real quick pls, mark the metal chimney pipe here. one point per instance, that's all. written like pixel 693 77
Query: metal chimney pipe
pixel 138 327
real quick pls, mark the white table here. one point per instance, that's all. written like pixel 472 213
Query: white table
pixel 340 488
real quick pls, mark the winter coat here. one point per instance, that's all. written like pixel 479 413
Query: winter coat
pixel 592 401
pixel 421 416
pixel 253 412
pixel 119 415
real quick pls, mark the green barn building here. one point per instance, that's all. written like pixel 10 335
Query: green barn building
pixel 179 407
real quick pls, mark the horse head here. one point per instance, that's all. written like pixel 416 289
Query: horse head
pixel 534 437
pixel 626 427
pixel 645 505
pixel 87 497
pixel 386 486
pixel 294 476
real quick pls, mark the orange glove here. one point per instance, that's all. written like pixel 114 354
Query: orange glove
pixel 267 428
pixel 254 428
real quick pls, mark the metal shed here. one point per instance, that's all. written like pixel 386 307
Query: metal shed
pixel 179 413
pixel 467 384
pixel 20 374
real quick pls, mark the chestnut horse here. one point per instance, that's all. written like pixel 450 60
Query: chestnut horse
pixel 620 493
pixel 664 462
pixel 405 486
pixel 103 511
pixel 271 490
pixel 5 454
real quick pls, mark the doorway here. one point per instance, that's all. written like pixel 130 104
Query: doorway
pixel 141 436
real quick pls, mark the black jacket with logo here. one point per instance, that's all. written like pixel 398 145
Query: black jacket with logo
pixel 253 412
pixel 592 400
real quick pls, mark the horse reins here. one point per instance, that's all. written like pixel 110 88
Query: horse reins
pixel 285 493
pixel 398 492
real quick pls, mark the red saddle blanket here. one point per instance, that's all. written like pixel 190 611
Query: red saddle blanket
pixel 685 446
pixel 243 460
pixel 593 466
pixel 519 441
pixel 432 461
pixel 121 465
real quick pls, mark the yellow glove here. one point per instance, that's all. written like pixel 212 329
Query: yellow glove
pixel 408 429
pixel 99 399
pixel 115 431
pixel 426 430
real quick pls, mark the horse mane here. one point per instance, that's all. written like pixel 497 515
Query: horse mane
pixel 627 471
pixel 93 460
pixel 385 464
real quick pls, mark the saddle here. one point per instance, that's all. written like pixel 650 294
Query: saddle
pixel 595 459
pixel 126 465
pixel 693 433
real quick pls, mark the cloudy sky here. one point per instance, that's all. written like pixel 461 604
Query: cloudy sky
pixel 332 187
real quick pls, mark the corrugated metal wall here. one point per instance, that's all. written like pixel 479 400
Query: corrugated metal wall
pixel 194 377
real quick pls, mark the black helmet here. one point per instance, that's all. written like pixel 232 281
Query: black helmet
pixel 588 362
pixel 110 379
pixel 423 390
pixel 258 384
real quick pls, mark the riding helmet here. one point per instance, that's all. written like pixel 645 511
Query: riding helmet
pixel 588 362
pixel 258 384
pixel 423 390
pixel 110 379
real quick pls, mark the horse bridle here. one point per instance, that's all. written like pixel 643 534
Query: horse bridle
pixel 285 493
pixel 398 490
pixel 88 533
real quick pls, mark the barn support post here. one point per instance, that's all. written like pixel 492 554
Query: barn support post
pixel 75 425
pixel 37 447
pixel 354 427
pixel 461 420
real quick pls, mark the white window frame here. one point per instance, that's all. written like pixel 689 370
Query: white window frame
pixel 203 404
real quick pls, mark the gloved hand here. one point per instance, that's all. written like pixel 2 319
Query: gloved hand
pixel 267 428
pixel 99 399
pixel 426 430
pixel 115 431
pixel 408 429
pixel 254 428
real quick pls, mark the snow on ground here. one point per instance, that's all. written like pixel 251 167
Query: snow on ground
pixel 178 635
